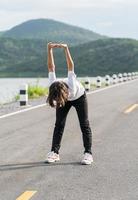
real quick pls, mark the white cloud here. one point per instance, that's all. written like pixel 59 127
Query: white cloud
pixel 59 4
pixel 125 1
pixel 97 15
pixel 105 24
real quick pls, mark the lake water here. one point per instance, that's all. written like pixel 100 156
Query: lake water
pixel 9 87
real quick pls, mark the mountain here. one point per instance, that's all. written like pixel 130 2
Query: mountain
pixel 22 57
pixel 51 30
pixel 28 57
pixel 1 33
pixel 106 56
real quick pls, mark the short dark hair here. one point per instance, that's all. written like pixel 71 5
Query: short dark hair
pixel 58 92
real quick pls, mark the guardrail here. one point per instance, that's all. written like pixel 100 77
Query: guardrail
pixel 110 80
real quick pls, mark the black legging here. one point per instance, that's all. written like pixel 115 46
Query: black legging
pixel 81 107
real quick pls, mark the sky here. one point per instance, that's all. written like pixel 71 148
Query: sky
pixel 114 18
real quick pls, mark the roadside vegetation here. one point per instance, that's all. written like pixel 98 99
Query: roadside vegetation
pixel 34 91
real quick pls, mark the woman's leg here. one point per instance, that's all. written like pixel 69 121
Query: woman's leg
pixel 81 107
pixel 61 115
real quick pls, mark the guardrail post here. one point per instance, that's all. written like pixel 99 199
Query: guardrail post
pixel 114 77
pixel 129 76
pixel 98 82
pixel 133 75
pixel 107 80
pixel 124 77
pixel 120 77
pixel 24 95
pixel 87 84
pixel 136 74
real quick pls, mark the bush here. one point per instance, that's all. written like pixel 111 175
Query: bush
pixel 36 91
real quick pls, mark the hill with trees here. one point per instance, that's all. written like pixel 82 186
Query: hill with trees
pixel 28 57
pixel 51 30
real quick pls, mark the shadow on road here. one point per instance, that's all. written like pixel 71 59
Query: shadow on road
pixel 18 166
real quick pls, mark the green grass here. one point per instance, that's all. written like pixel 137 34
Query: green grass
pixel 36 91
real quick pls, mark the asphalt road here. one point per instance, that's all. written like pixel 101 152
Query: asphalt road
pixel 25 139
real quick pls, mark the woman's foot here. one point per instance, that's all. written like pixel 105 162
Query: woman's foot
pixel 52 157
pixel 87 159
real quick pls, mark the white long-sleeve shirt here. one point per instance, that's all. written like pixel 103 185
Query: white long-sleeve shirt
pixel 76 89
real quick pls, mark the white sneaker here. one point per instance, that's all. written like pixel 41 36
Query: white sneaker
pixel 52 157
pixel 87 159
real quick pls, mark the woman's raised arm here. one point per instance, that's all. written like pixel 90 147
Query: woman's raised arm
pixel 50 60
pixel 69 59
pixel 50 57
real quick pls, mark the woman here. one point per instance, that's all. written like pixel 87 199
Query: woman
pixel 62 95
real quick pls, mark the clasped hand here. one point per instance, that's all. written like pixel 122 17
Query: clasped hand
pixel 56 45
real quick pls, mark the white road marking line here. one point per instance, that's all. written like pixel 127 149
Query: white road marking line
pixel 21 111
pixel 92 92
